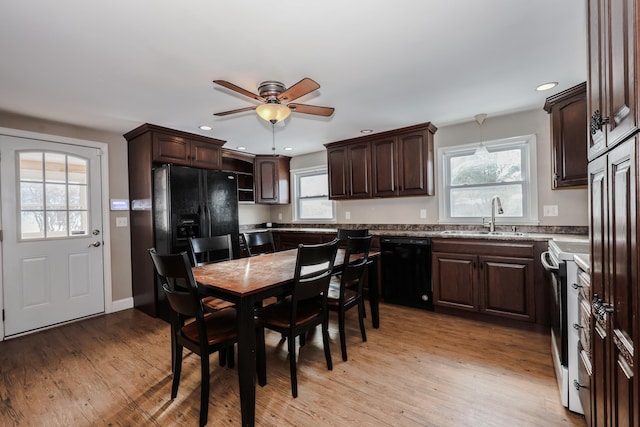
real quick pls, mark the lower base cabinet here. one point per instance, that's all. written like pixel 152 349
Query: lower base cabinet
pixel 500 282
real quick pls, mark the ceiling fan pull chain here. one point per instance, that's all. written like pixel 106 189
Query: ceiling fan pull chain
pixel 273 133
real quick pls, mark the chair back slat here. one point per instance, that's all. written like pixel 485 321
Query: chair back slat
pixel 174 271
pixel 353 272
pixel 206 250
pixel 259 243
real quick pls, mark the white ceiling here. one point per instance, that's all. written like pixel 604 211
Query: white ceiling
pixel 113 65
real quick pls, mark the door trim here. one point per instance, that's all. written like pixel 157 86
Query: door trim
pixel 106 230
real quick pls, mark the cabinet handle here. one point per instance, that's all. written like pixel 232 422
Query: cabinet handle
pixel 597 121
pixel 577 327
pixel 576 286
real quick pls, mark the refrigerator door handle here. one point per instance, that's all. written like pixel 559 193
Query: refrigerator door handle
pixel 208 216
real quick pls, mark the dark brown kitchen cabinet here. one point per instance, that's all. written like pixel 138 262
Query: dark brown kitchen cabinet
pixel 500 282
pixel 389 164
pixel 614 284
pixel 272 179
pixel 612 90
pixel 149 145
pixel 177 149
pixel 242 165
pixel 568 111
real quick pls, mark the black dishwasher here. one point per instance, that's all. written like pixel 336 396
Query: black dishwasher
pixel 406 271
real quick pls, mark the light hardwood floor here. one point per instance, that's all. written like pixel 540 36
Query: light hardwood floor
pixel 419 369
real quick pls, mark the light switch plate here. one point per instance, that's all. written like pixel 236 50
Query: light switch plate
pixel 423 214
pixel 550 210
pixel 347 215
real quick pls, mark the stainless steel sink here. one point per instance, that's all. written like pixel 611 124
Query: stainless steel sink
pixel 482 233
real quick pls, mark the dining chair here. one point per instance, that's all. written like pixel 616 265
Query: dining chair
pixel 207 250
pixel 259 243
pixel 345 290
pixel 306 307
pixel 207 333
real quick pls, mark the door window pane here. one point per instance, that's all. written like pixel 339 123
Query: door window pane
pixel 54 198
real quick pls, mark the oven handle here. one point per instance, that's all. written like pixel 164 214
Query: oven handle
pixel 548 263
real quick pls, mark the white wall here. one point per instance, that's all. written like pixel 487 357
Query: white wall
pixel 572 203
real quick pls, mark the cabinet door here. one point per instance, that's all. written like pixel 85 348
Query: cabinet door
pixel 205 155
pixel 272 179
pixel 568 136
pixel 455 281
pixel 620 61
pixel 359 161
pixel 384 167
pixel 337 168
pixel 598 227
pixel 596 81
pixel 507 288
pixel 415 154
pixel 622 294
pixel 171 149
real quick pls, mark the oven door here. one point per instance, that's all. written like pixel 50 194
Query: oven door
pixel 558 300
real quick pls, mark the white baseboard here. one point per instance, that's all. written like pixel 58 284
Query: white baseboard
pixel 122 304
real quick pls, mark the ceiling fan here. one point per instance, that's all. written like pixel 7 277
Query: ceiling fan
pixel 276 99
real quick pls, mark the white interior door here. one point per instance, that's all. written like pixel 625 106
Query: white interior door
pixel 52 244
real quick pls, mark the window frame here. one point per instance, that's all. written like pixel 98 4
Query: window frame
pixel 527 145
pixel 295 179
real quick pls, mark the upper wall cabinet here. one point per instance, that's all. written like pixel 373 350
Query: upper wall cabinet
pixel 389 164
pixel 272 179
pixel 568 110
pixel 179 148
pixel 242 165
pixel 612 91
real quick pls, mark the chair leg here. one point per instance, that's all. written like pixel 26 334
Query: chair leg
pixel 325 341
pixel 177 369
pixel 204 389
pixel 222 357
pixel 343 336
pixel 292 364
pixel 361 319
pixel 231 356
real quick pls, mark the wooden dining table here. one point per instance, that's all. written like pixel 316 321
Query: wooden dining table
pixel 247 282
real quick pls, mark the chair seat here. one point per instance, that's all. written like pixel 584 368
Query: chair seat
pixel 278 314
pixel 333 297
pixel 221 327
pixel 215 304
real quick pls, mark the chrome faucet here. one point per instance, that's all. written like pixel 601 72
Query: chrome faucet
pixel 495 200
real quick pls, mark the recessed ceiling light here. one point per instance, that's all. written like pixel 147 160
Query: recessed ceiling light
pixel 546 86
pixel 205 127
pixel 288 148
pixel 366 131
pixel 241 148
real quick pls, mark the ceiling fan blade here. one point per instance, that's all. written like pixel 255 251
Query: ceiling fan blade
pixel 299 89
pixel 311 109
pixel 238 89
pixel 239 110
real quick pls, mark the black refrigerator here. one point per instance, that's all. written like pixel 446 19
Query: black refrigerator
pixel 192 202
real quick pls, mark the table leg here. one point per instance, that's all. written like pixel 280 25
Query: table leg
pixel 374 286
pixel 247 361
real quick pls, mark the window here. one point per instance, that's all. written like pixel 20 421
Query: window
pixel 471 179
pixel 311 196
pixel 54 199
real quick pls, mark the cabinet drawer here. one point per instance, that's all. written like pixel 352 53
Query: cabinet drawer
pixel 584 281
pixel 484 247
pixel 584 314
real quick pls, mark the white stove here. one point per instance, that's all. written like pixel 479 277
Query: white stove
pixel 559 261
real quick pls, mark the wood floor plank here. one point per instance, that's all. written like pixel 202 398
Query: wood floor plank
pixel 419 369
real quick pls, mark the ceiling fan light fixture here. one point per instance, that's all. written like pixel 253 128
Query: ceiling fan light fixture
pixel 273 112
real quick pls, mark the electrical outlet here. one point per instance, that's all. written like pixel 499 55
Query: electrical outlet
pixel 423 214
pixel 550 210
pixel 121 221
pixel 280 216
pixel 347 215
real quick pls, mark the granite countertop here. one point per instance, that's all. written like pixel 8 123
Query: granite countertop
pixel 443 234
pixel 583 262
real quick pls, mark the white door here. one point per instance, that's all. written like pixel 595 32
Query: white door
pixel 52 243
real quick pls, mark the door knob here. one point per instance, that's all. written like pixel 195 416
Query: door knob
pixel 94 244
